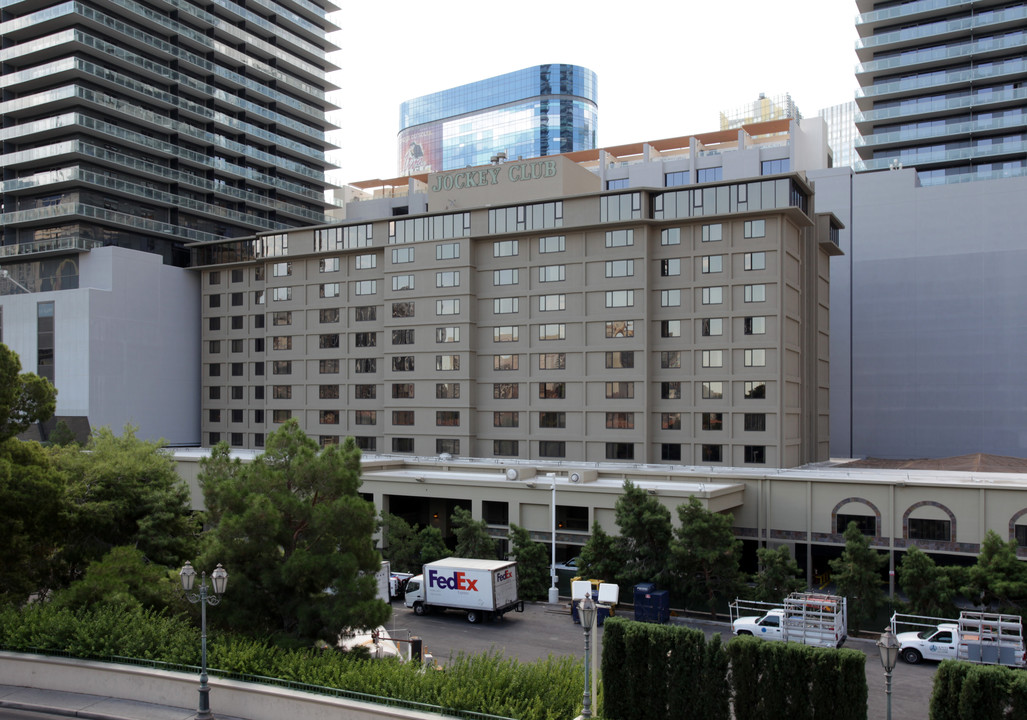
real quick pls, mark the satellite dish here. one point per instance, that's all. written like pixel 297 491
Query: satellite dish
pixel 512 474
pixel 575 477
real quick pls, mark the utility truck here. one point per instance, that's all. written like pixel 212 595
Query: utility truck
pixel 484 589
pixel 978 637
pixel 808 618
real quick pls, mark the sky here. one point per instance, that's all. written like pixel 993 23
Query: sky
pixel 665 69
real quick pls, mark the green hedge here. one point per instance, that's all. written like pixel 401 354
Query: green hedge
pixel 545 690
pixel 964 691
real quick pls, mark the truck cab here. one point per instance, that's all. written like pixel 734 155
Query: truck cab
pixel 413 594
pixel 937 643
pixel 767 627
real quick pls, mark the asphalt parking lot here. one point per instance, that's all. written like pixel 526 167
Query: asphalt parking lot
pixel 542 630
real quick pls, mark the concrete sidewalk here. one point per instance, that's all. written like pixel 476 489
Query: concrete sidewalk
pixel 92 707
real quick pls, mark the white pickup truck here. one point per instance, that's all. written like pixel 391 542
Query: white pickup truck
pixel 808 618
pixel 983 638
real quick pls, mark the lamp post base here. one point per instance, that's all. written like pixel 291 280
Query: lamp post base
pixel 554 596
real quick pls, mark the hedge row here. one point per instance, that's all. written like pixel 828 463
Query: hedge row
pixel 545 690
pixel 963 691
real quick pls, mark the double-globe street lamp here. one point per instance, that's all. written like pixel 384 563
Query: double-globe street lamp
pixel 218 581
pixel 587 614
pixel 888 645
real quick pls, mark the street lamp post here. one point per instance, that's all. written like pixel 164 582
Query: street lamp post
pixel 888 645
pixel 218 581
pixel 554 592
pixel 587 613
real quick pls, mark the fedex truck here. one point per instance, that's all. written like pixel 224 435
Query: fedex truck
pixel 484 589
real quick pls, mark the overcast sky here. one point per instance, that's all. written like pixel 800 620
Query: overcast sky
pixel 664 69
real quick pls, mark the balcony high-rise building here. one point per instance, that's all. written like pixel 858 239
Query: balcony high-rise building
pixel 151 126
pixel 942 88
pixel 534 112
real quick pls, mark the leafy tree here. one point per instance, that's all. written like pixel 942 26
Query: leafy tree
pixel 62 434
pixel 928 587
pixel 705 555
pixel 295 537
pixel 998 579
pixel 472 536
pixel 433 547
pixel 857 574
pixel 533 578
pixel 645 533
pixel 601 557
pixel 124 579
pixel 25 398
pixel 779 575
pixel 402 543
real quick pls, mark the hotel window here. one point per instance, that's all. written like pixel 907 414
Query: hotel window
pixel 756 325
pixel 755 422
pixel 365 417
pixel 673 179
pixel 280 294
pixel 364 287
pixel 670 298
pixel 214 277
pixel 552 273
pixel 402 391
pixel 214 415
pixel 447 251
pixel 620 238
pixel 505 306
pixel 281 367
pixel 755 390
pixel 402 309
pixel 328 417
pixel 447 278
pixel 402 417
pixel 447 391
pixel 280 416
pixel 552 331
pixel 620 421
pixel 328 392
pixel 400 336
pixel 328 367
pixel 327 265
pixel 329 341
pixel 713 174
pixel 755 228
pixel 670 421
pixel 755 261
pixel 214 393
pixel 670 328
pixel 712 453
pixel 258 368
pixel 712 327
pixel 670 451
pixel 447 418
pixel 620 268
pixel 366 313
pixel 214 347
pixel 712 358
pixel 551 303
pixel 620 359
pixel 238 369
pixel 755 293
pixel 447 306
pixel 552 420
pixel 755 358
pixel 402 445
pixel 713 390
pixel 403 363
pixel 506 333
pixel 214 324
pixel 365 365
pixel 281 392
pixel 239 392
pixel 774 167
pixel 713 421
pixel 670 236
pixel 757 454
pixel 927 529
pixel 505 391
pixel 258 273
pixel 867 524
pixel 447 445
pixel 505 419
pixel 258 299
pixel 620 390
pixel 712 263
pixel 620 328
pixel 504 448
pixel 401 282
pixel 363 262
pixel 504 248
pixel 366 339
pixel 620 298
pixel 670 267
pixel 365 392
pixel 330 290
pixel 552 361
pixel 670 390
pixel 552 448
pixel 447 334
pixel 552 391
pixel 400 256
pixel 508 276
pixel 712 295
pixel 236 298
pixel 282 269
pixel 670 359
pixel 620 451
pixel 326 440
pixel 554 243
pixel 712 233
pixel 618 184
pixel 505 362
pixel 447 362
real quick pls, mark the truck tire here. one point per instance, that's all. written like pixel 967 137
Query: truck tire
pixel 419 609
pixel 912 656
pixel 473 616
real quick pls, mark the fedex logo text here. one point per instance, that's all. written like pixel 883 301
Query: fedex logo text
pixel 505 575
pixel 456 581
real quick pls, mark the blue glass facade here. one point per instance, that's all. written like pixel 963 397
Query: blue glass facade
pixel 541 110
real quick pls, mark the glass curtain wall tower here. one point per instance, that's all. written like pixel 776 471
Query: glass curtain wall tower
pixel 537 111
pixel 151 126
pixel 943 88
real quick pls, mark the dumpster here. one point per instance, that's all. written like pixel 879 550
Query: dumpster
pixel 651 605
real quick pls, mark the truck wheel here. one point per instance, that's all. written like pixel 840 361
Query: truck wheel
pixel 912 656
pixel 473 616
pixel 419 609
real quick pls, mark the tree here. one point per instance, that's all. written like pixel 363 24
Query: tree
pixel 62 434
pixel 472 536
pixel 433 547
pixel 25 398
pixel 705 555
pixel 533 578
pixel 402 544
pixel 645 533
pixel 123 578
pixel 928 587
pixel 295 537
pixel 779 575
pixel 999 579
pixel 601 557
pixel 857 573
